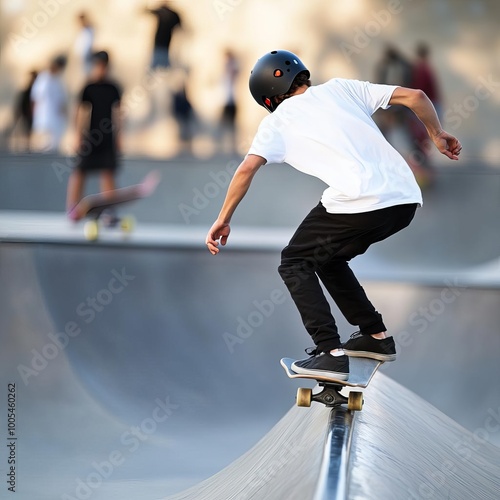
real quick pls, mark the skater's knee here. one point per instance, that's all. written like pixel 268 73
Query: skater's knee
pixel 295 266
pixel 291 276
pixel 291 271
pixel 289 264
pixel 285 270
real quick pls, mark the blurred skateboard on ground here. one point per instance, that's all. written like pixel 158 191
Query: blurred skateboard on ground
pixel 361 371
pixel 100 207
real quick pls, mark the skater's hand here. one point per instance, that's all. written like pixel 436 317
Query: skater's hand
pixel 219 232
pixel 447 144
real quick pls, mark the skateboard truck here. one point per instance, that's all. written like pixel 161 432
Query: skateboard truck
pixel 360 374
pixel 330 396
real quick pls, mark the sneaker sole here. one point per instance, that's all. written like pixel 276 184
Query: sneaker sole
pixel 371 355
pixel 319 373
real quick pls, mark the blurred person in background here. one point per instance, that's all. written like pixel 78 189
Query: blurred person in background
pixel 424 78
pixel 23 116
pixel 98 132
pixel 393 69
pixel 84 43
pixel 182 111
pixel 48 96
pixel 167 21
pixel 397 122
pixel 327 131
pixel 227 126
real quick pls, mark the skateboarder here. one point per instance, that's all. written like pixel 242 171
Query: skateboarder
pixel 327 131
pixel 97 134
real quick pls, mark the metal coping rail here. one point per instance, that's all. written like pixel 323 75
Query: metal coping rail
pixel 334 471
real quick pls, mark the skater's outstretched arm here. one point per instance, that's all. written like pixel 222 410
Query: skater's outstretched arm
pixel 237 189
pixel 422 106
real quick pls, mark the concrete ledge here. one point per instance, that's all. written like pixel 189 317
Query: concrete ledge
pixel 55 228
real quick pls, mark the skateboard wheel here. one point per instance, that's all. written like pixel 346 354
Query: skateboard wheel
pixel 127 224
pixel 304 397
pixel 355 401
pixel 91 230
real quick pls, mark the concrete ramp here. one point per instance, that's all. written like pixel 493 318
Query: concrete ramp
pixel 147 380
pixel 404 448
pixel 132 367
pixel 401 448
pixel 284 464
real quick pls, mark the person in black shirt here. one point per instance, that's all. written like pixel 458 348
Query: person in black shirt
pixel 98 128
pixel 168 21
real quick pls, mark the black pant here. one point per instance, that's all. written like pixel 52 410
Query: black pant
pixel 321 248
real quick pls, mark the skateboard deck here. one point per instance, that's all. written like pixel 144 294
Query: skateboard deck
pixel 361 371
pixel 93 206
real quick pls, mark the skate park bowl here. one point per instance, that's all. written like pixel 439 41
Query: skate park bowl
pixel 146 368
pixel 142 368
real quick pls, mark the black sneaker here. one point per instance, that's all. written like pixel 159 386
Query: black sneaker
pixel 323 364
pixel 365 346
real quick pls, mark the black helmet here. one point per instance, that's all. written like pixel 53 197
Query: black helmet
pixel 273 75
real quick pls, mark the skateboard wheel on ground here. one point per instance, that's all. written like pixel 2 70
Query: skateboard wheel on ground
pixel 304 397
pixel 355 401
pixel 91 230
pixel 127 224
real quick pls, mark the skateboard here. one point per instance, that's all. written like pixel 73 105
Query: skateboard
pixel 361 371
pixel 93 206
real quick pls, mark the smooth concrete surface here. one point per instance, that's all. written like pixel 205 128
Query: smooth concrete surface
pixel 404 448
pixel 401 448
pixel 169 358
pixel 285 464
pixel 149 376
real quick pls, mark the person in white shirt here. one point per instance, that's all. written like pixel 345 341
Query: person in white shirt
pixel 327 131
pixel 84 44
pixel 48 96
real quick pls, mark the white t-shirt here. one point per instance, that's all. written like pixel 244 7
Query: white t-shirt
pixel 84 43
pixel 328 132
pixel 49 96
